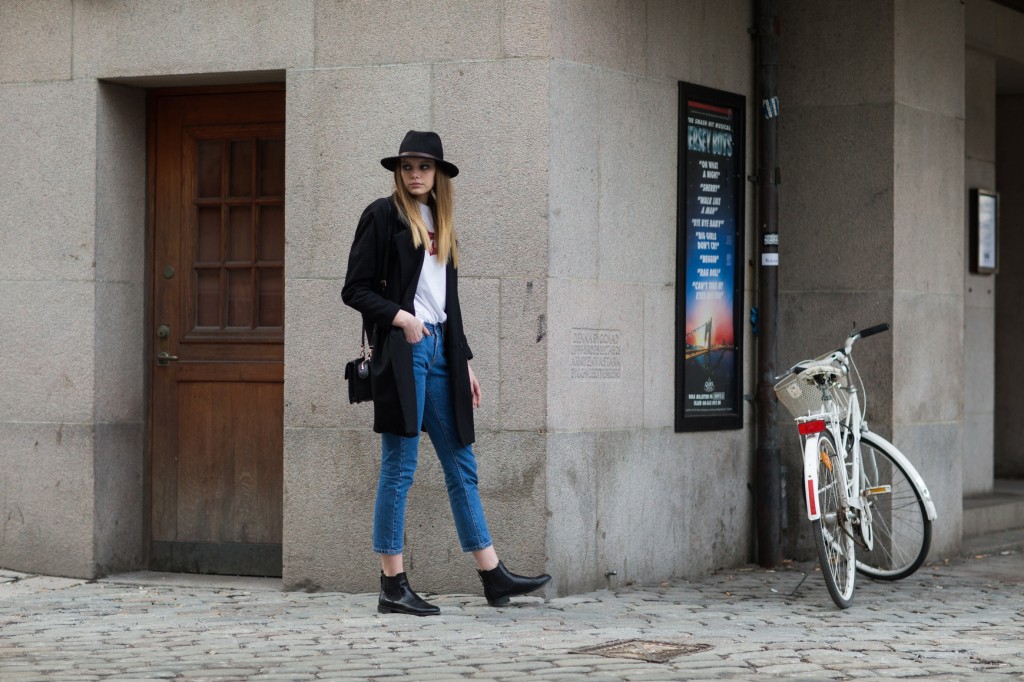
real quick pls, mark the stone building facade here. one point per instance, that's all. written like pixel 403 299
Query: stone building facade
pixel 563 117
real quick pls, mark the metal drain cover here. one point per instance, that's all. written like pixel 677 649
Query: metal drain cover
pixel 643 650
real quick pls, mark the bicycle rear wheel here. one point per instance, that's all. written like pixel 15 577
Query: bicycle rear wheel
pixel 899 522
pixel 832 533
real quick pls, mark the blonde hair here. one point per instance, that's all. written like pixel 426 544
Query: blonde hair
pixel 442 203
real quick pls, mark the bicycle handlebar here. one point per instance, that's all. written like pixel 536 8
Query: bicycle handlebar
pixel 840 354
pixel 877 329
pixel 871 331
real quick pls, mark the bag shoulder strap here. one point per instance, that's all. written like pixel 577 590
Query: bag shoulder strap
pixel 387 244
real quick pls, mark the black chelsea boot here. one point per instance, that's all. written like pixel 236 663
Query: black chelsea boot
pixel 500 584
pixel 397 597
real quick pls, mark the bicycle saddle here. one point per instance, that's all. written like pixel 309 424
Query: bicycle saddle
pixel 815 375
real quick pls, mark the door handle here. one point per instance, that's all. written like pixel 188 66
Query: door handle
pixel 163 358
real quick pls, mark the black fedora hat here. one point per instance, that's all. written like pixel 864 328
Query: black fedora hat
pixel 421 145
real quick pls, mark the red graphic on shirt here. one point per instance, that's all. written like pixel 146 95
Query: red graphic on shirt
pixel 433 244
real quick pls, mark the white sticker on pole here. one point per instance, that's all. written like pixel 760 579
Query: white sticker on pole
pixel 770 260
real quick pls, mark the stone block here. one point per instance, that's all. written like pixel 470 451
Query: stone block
pixel 48 180
pixel 832 199
pixel 480 298
pixel 526 28
pixel 120 361
pixel 47 363
pixel 341 123
pixel 46 493
pixel 981 21
pixel 523 354
pixel 1010 26
pixel 980 291
pixel 575 181
pixel 321 335
pixel 928 200
pixel 36 39
pixel 994 28
pixel 595 355
pixel 708 475
pixel 700 42
pixel 929 56
pixel 363 32
pixel 928 358
pixel 330 480
pixel 978 462
pixel 979 360
pixel 836 54
pixel 120 184
pixel 660 493
pixel 659 334
pixel 978 173
pixel 493 118
pixel 572 530
pixel 606 33
pixel 980 107
pixel 936 451
pixel 625 520
pixel 637 197
pixel 140 38
pixel 120 501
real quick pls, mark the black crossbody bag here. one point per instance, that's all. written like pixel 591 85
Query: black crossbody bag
pixel 357 372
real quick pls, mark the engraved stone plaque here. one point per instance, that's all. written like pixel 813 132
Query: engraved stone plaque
pixel 596 354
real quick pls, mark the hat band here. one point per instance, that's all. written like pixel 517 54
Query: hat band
pixel 419 155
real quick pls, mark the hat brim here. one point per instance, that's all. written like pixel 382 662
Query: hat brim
pixel 391 162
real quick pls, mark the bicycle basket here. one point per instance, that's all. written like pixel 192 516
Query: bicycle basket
pixel 802 399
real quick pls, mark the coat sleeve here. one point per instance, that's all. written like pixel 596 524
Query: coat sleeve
pixel 453 293
pixel 361 286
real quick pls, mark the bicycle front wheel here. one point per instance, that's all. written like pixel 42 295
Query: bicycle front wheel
pixel 901 530
pixel 832 533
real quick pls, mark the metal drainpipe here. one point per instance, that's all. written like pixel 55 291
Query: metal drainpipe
pixel 768 472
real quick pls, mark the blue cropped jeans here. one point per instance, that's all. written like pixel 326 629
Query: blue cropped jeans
pixel 398 457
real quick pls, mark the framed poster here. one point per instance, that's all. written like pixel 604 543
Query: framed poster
pixel 984 232
pixel 709 260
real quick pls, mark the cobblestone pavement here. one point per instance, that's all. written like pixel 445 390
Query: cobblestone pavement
pixel 953 620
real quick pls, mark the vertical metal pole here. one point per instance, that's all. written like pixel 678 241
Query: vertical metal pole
pixel 768 470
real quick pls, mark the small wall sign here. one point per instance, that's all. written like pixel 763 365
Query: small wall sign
pixel 984 256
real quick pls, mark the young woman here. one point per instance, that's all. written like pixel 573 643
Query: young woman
pixel 403 277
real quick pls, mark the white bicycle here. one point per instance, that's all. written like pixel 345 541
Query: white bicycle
pixel 870 509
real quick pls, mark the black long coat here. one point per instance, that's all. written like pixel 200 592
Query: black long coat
pixel 394 390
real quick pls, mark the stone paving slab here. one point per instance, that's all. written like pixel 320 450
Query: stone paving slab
pixel 952 620
pixel 33 584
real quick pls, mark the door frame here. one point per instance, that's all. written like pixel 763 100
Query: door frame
pixel 152 95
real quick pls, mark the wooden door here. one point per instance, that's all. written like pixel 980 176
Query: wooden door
pixel 217 331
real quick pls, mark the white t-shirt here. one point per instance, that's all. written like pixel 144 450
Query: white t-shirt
pixel 432 289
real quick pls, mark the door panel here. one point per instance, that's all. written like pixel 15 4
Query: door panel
pixel 227 434
pixel 218 332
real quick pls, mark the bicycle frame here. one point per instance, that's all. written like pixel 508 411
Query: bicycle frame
pixel 847 435
pixel 809 427
pixel 828 419
pixel 880 505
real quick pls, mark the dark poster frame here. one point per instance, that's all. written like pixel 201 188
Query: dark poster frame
pixel 712 184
